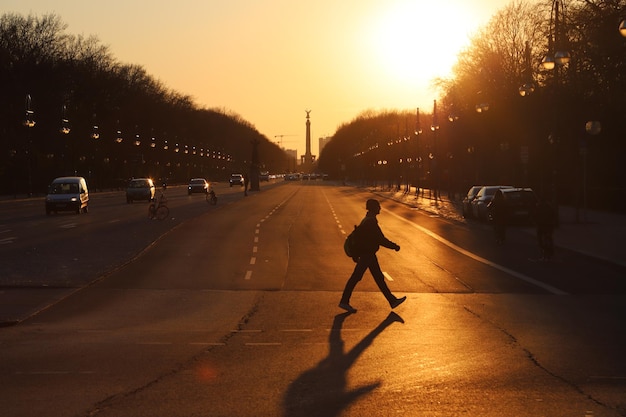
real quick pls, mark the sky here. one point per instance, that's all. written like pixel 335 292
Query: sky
pixel 269 61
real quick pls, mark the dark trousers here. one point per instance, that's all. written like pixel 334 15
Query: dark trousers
pixel 367 262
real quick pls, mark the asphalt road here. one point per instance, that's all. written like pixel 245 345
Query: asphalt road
pixel 232 311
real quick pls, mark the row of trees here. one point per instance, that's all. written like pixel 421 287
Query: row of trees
pixel 502 117
pixel 69 107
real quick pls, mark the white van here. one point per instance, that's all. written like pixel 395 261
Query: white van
pixel 68 194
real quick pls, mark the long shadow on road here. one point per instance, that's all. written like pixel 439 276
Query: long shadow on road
pixel 322 391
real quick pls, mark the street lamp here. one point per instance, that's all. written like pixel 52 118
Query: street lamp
pixel 118 134
pixel 418 159
pixel 65 130
pixel 528 87
pixel 95 133
pixel 434 127
pixel 557 55
pixel 65 123
pixel 482 107
pixel 556 58
pixel 622 28
pixel 29 122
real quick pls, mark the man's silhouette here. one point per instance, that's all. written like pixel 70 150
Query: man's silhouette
pixel 369 239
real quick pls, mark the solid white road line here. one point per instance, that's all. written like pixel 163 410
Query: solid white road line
pixel 477 258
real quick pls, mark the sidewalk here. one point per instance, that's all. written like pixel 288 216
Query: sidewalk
pixel 601 235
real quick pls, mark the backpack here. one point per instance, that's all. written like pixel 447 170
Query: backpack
pixel 353 246
pixel 350 246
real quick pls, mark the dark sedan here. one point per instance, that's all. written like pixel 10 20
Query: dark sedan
pixel 520 204
pixel 198 185
pixel 140 189
pixel 467 200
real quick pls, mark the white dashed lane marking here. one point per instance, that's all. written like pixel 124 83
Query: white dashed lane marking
pixel 255 248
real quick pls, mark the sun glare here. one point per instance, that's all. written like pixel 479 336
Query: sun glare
pixel 417 41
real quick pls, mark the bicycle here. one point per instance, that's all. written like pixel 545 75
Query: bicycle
pixel 211 198
pixel 159 209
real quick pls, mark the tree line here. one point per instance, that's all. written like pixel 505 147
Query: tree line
pixel 504 118
pixel 69 107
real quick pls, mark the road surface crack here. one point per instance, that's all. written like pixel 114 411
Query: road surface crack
pixel 535 361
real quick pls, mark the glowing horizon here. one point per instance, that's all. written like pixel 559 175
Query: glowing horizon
pixel 268 61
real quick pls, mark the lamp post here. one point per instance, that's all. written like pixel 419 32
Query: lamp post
pixel 593 128
pixel 481 108
pixel 255 166
pixel 95 135
pixel 434 127
pixel 418 159
pixel 557 54
pixel 556 58
pixel 65 130
pixel 29 122
pixel 528 84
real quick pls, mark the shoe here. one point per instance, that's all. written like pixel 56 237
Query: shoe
pixel 347 307
pixel 395 303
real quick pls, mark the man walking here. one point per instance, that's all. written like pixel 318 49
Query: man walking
pixel 370 238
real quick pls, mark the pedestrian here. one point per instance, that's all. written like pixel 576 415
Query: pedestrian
pixel 246 181
pixel 545 220
pixel 498 211
pixel 370 238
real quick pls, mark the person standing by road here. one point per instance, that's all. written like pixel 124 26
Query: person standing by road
pixel 370 238
pixel 246 182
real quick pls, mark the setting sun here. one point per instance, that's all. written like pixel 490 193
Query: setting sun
pixel 418 41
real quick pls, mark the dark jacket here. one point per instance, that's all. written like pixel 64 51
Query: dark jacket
pixel 371 237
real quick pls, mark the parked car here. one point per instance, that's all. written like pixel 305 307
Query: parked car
pixel 68 194
pixel 295 176
pixel 264 176
pixel 467 200
pixel 198 185
pixel 520 204
pixel 482 200
pixel 140 189
pixel 236 179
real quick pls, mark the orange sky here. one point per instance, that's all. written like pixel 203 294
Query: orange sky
pixel 270 60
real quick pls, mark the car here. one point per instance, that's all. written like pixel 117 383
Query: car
pixel 295 176
pixel 264 176
pixel 68 194
pixel 520 204
pixel 140 189
pixel 467 200
pixel 482 199
pixel 198 185
pixel 236 179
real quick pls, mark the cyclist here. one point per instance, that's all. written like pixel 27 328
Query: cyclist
pixel 158 208
pixel 211 197
pixel 161 200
